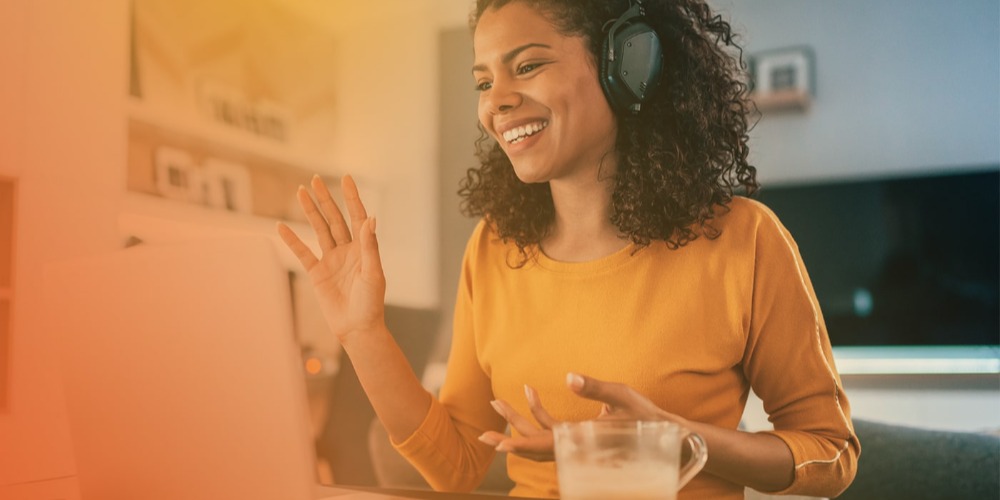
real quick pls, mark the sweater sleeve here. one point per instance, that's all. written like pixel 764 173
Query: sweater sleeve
pixel 789 363
pixel 445 448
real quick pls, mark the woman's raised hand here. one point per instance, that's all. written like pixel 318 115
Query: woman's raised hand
pixel 347 277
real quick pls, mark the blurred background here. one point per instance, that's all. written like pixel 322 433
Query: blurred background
pixel 153 121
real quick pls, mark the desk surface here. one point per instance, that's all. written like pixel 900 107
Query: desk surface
pixel 408 494
pixel 68 488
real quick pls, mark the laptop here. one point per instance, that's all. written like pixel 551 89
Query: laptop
pixel 182 376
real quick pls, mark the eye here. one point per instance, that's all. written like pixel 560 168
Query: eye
pixel 527 68
pixel 484 86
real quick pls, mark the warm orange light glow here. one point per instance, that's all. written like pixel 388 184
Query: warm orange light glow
pixel 314 366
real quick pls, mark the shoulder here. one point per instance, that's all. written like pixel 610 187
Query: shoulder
pixel 749 218
pixel 482 236
pixel 763 235
pixel 742 212
pixel 749 227
pixel 485 243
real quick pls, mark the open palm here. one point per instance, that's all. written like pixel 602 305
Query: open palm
pixel 347 277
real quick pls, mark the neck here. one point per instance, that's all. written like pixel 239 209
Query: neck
pixel 582 229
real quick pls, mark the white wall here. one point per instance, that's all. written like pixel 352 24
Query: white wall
pixel 900 87
pixel 386 97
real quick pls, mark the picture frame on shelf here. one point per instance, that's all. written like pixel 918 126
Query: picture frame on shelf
pixel 783 79
pixel 228 186
pixel 177 175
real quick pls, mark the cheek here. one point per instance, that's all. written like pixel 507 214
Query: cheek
pixel 598 109
pixel 591 92
pixel 484 116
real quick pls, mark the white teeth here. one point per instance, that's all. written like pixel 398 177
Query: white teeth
pixel 517 134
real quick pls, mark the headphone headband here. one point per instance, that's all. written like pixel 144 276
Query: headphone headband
pixel 631 62
pixel 634 10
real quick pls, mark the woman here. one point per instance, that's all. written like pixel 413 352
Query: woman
pixel 614 273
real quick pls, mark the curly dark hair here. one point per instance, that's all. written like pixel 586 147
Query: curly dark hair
pixel 679 158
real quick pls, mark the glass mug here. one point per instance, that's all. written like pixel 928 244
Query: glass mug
pixel 624 459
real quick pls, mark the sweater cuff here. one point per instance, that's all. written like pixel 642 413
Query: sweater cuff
pixel 434 449
pixel 822 468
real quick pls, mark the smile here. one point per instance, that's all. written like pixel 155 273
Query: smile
pixel 518 134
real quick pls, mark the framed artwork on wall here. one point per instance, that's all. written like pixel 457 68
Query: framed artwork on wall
pixel 231 106
pixel 783 79
pixel 259 69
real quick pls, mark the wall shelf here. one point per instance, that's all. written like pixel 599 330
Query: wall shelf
pixel 202 130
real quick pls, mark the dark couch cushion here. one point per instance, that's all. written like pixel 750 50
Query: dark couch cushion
pixel 899 462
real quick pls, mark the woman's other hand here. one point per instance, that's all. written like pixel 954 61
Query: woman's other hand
pixel 536 442
pixel 347 277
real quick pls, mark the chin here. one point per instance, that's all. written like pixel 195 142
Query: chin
pixel 531 172
pixel 530 176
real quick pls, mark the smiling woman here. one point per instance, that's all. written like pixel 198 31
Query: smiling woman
pixel 615 272
pixel 684 153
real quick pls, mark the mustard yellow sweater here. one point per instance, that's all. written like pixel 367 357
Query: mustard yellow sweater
pixel 693 329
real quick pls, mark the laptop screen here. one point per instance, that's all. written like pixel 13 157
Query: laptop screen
pixel 181 373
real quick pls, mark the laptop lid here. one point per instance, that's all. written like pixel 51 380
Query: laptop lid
pixel 182 376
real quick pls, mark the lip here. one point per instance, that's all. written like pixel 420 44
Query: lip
pixel 525 143
pixel 504 127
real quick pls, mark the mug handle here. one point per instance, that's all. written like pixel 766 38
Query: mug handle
pixel 699 455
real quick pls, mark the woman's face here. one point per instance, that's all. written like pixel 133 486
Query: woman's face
pixel 540 97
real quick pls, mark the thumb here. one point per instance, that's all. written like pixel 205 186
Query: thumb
pixel 371 261
pixel 610 393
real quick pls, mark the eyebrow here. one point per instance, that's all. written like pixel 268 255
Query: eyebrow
pixel 508 57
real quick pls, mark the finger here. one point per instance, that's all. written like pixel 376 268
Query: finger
pixel 538 447
pixel 295 244
pixel 492 438
pixel 516 420
pixel 540 413
pixel 353 201
pixel 371 260
pixel 605 411
pixel 332 212
pixel 610 393
pixel 316 220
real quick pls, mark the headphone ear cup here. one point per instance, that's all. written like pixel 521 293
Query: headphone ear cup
pixel 634 74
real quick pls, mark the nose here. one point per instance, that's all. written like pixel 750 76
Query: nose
pixel 503 96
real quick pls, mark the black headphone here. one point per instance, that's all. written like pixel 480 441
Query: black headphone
pixel 631 61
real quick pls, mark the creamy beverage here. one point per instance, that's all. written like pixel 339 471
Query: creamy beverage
pixel 629 481
pixel 624 459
